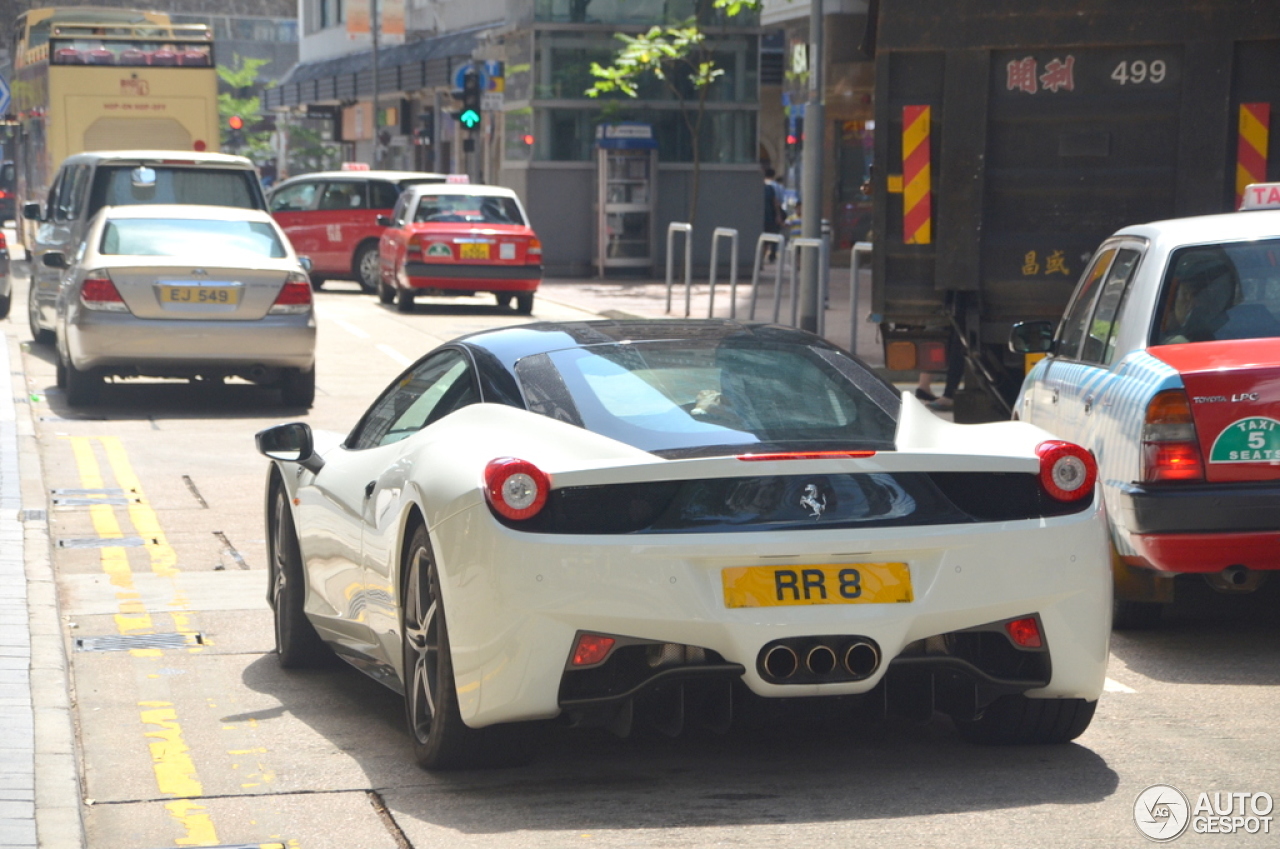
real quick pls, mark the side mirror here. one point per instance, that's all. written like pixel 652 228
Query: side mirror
pixel 55 259
pixel 1031 337
pixel 290 443
pixel 33 211
pixel 384 221
pixel 306 263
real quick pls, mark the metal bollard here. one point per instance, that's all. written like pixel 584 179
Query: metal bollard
pixel 732 235
pixel 793 250
pixel 765 238
pixel 854 268
pixel 673 228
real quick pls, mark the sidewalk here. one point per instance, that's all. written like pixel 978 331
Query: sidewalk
pixel 39 783
pixel 647 298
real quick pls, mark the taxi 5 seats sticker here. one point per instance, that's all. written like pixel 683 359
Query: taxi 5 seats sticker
pixel 1248 440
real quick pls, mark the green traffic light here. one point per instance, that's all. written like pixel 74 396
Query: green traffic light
pixel 469 118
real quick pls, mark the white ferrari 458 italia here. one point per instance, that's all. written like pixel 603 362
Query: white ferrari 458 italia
pixel 615 522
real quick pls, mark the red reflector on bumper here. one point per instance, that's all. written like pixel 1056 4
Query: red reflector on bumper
pixel 1025 632
pixel 591 649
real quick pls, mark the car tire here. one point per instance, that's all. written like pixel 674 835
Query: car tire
pixel 441 740
pixel 298 645
pixel 317 282
pixel 5 303
pixel 1018 720
pixel 366 267
pixel 60 373
pixel 38 334
pixel 386 292
pixel 404 300
pixel 82 387
pixel 1135 615
pixel 504 299
pixel 524 303
pixel 298 388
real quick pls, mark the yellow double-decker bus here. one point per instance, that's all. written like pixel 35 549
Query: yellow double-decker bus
pixel 89 78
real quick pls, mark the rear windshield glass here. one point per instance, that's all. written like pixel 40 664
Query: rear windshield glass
pixel 467 209
pixel 116 186
pixel 717 396
pixel 225 241
pixel 1217 292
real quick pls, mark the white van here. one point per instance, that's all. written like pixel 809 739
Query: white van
pixel 86 182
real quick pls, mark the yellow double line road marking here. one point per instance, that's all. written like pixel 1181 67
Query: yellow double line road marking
pixel 175 772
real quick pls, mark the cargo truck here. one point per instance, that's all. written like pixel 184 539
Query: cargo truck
pixel 1013 136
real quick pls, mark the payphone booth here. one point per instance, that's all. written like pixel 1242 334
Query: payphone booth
pixel 626 188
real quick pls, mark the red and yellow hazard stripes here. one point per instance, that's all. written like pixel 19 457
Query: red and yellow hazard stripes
pixel 1251 155
pixel 917 182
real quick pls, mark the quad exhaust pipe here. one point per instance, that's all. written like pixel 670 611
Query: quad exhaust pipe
pixel 814 660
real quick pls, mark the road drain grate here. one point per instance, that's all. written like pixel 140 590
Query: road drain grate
pixel 90 497
pixel 125 642
pixel 105 542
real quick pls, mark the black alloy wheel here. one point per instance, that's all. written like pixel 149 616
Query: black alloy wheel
pixel 298 646
pixel 441 740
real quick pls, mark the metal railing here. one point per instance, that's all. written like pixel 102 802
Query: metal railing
pixel 854 268
pixel 732 235
pixel 686 228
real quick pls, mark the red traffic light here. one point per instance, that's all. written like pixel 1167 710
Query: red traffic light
pixel 235 122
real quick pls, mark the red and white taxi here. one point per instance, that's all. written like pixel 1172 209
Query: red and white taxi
pixel 331 217
pixel 451 240
pixel 1166 365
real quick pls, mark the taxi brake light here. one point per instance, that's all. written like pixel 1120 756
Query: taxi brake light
pixel 413 251
pixel 592 649
pixel 1170 450
pixel 533 251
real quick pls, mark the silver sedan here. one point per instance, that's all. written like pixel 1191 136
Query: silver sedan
pixel 184 291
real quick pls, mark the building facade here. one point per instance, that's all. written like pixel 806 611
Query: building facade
pixel 538 133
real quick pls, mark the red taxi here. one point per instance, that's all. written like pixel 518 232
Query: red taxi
pixel 332 218
pixel 1166 365
pixel 455 240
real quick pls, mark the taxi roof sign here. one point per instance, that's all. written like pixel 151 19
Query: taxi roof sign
pixel 1261 196
pixel 458 178
pixel 355 166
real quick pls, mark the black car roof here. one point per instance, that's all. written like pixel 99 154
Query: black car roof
pixel 511 344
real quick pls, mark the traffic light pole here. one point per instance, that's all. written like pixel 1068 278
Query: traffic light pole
pixel 374 25
pixel 811 174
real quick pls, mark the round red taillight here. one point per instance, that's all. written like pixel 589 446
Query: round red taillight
pixel 1067 471
pixel 515 488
